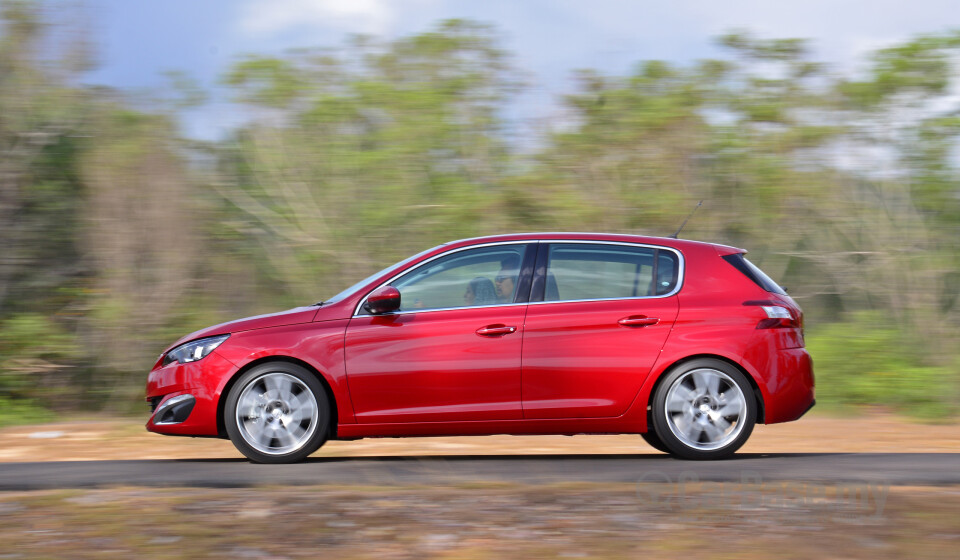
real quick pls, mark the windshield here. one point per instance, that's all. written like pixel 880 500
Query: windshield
pixel 374 276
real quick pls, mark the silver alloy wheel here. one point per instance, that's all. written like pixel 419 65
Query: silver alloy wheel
pixel 277 413
pixel 705 409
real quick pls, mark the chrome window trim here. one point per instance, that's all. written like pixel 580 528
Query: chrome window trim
pixel 356 310
pixel 444 309
pixel 681 270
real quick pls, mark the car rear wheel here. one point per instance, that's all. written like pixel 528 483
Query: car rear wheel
pixel 277 413
pixel 704 409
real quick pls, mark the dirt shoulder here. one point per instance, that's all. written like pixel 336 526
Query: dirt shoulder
pixel 815 433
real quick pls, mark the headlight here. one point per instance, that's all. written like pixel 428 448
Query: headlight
pixel 194 350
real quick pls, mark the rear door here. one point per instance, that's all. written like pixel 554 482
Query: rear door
pixel 598 317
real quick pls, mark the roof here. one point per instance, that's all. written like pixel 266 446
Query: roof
pixel 585 236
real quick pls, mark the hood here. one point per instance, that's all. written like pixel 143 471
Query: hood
pixel 289 317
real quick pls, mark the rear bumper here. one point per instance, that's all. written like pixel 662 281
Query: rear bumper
pixel 808 408
pixel 169 387
pixel 789 386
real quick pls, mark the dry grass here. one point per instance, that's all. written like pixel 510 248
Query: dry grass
pixel 816 432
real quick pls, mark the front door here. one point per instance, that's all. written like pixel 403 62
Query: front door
pixel 452 351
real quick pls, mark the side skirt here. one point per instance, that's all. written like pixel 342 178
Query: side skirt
pixel 554 426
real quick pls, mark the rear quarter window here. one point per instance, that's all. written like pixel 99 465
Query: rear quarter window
pixel 754 273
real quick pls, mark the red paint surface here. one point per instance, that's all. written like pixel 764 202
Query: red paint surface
pixel 569 367
pixel 580 362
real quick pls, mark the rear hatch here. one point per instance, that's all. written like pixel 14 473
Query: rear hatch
pixel 780 311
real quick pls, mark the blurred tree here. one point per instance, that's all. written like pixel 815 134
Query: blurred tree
pixel 39 196
pixel 117 235
pixel 95 223
pixel 139 236
pixel 362 157
pixel 38 113
pixel 741 134
pixel 905 217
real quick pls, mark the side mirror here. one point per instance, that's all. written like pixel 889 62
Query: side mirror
pixel 383 300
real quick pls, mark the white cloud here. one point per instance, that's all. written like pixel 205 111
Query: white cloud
pixel 272 17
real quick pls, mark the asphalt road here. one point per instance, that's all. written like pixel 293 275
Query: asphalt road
pixel 872 468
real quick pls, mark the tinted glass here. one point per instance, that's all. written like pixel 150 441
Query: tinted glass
pixel 668 268
pixel 474 277
pixel 587 271
pixel 754 273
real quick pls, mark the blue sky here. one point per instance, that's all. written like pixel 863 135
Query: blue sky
pixel 137 40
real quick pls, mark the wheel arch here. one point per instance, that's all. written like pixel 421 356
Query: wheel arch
pixel 221 402
pixel 758 394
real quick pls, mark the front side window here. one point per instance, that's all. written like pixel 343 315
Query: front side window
pixel 469 278
pixel 599 271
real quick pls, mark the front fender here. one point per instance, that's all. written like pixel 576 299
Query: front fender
pixel 318 344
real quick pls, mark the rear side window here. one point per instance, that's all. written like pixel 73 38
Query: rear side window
pixel 752 272
pixel 581 271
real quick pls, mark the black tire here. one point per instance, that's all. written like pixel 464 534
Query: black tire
pixel 701 424
pixel 300 415
pixel 653 439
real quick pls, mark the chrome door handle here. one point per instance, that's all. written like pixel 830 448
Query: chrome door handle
pixel 496 330
pixel 638 321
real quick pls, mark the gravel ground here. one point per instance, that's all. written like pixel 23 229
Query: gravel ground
pixel 482 521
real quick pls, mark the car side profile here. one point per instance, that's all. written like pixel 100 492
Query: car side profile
pixel 683 342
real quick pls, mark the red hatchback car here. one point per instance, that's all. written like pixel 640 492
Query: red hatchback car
pixel 683 342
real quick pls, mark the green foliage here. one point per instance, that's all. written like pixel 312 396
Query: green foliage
pixel 14 412
pixel 268 81
pixel 36 355
pixel 920 66
pixel 866 361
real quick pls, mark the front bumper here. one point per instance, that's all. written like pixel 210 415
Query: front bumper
pixel 174 410
pixel 170 390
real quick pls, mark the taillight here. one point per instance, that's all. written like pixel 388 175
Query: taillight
pixel 778 317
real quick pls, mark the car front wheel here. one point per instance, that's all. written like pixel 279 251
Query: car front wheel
pixel 277 413
pixel 704 409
